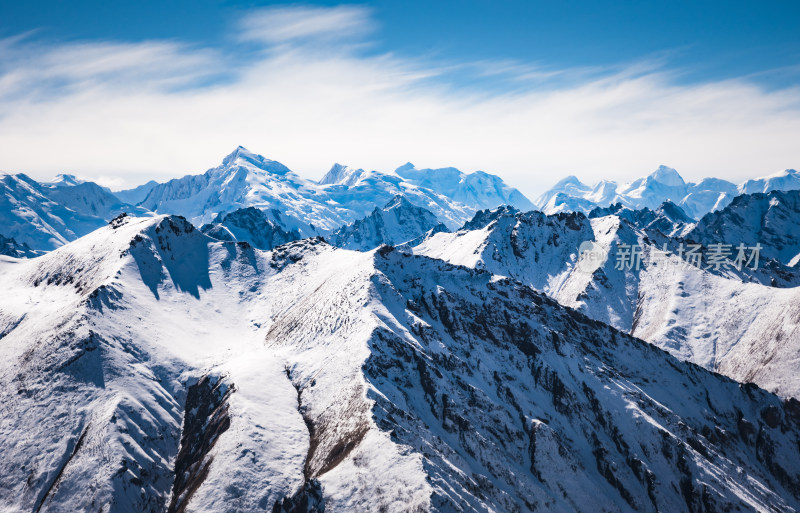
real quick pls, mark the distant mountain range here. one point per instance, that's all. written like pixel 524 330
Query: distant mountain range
pixel 344 195
pixel 47 215
pixel 664 184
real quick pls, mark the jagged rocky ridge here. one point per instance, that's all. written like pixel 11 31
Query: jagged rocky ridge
pixel 731 321
pixel 398 222
pixel 10 247
pixel 311 375
pixel 668 219
pixel 770 219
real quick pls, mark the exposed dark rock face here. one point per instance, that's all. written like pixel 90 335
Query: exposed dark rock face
pixel 308 499
pixel 205 419
pixel 560 393
pixel 10 247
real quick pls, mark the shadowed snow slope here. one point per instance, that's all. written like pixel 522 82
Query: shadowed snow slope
pixel 147 367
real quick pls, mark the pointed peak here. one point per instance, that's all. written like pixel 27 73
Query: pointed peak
pixel 673 212
pixel 667 176
pixel 340 174
pixel 243 155
pixel 239 152
pixel 399 201
pixel 64 180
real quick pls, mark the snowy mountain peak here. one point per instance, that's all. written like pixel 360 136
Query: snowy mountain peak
pixel 243 156
pixel 673 212
pixel 767 219
pixel 668 176
pixel 399 201
pixel 64 180
pixel 570 181
pixel 342 175
pixel 264 229
pixel 399 222
pixel 483 218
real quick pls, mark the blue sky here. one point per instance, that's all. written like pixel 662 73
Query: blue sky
pixel 126 91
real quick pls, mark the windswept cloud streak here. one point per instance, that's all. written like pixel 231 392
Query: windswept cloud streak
pixel 299 23
pixel 158 109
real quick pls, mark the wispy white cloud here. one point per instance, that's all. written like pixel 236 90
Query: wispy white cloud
pixel 274 25
pixel 146 110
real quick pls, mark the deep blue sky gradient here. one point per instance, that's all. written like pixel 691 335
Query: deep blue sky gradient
pixel 708 40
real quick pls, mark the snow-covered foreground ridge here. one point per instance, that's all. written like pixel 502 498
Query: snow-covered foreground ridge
pixel 147 367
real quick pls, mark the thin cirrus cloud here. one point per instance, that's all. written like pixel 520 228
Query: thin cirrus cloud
pixel 123 113
pixel 292 24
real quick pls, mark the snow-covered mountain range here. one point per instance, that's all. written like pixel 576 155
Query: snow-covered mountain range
pixel 733 321
pixel 344 195
pixel 48 215
pixel 418 340
pixel 149 367
pixel 769 219
pixel 664 184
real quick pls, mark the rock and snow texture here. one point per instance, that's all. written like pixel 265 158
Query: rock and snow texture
pixel 771 220
pixel 668 219
pixel 344 195
pixel 664 184
pixel 263 229
pixel 725 320
pixel 147 367
pixel 10 247
pixel 398 222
